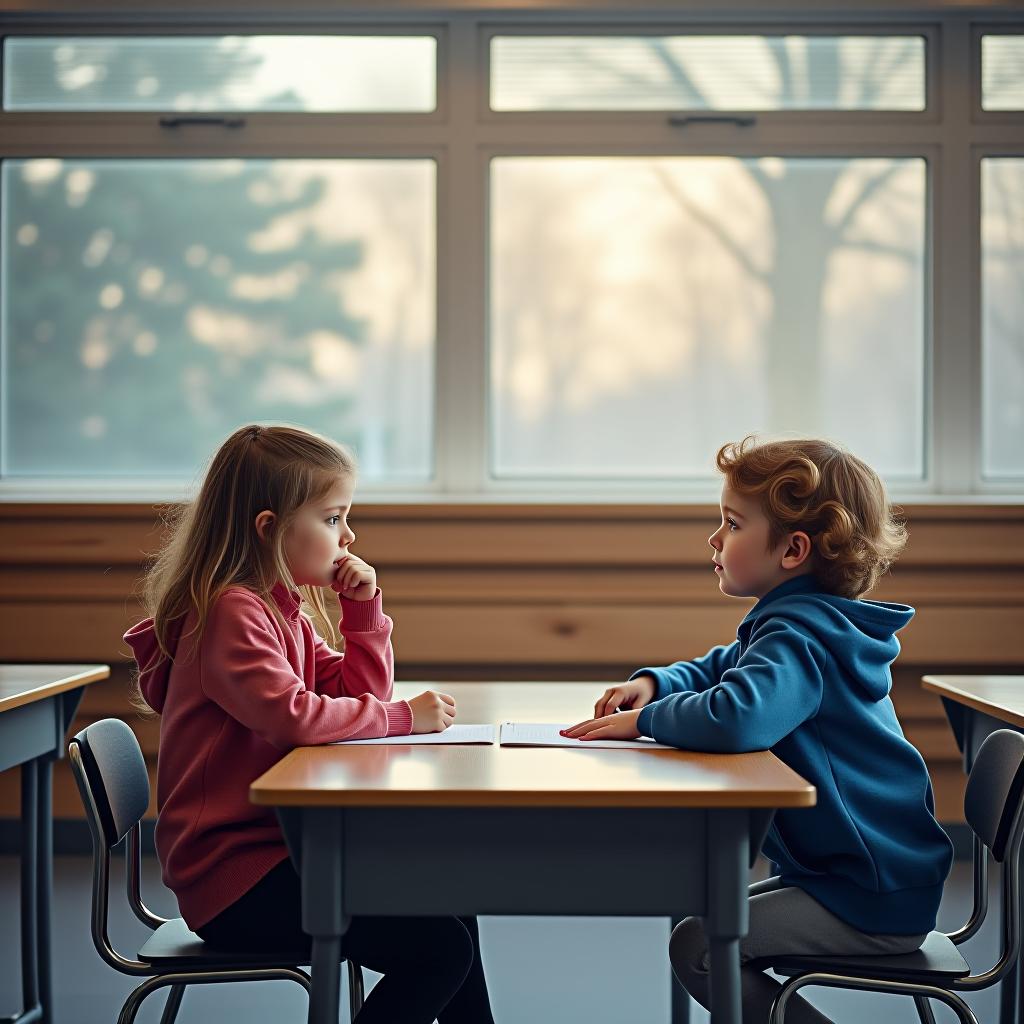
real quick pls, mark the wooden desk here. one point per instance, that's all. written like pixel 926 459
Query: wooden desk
pixel 524 830
pixel 37 704
pixel 977 706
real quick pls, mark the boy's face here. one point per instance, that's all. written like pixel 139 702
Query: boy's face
pixel 745 565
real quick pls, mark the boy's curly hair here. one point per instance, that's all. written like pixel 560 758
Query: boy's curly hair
pixel 831 495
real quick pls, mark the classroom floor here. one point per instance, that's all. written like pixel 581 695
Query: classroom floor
pixel 592 970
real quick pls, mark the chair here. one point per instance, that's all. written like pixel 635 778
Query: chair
pixel 112 779
pixel 992 807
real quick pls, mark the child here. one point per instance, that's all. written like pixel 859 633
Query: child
pixel 807 530
pixel 240 676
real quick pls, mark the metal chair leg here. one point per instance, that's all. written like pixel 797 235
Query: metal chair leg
pixel 355 989
pixel 172 1004
pixel 211 977
pixel 951 999
pixel 924 1010
pixel 135 998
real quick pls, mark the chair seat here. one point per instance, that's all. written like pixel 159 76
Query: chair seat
pixel 172 946
pixel 937 960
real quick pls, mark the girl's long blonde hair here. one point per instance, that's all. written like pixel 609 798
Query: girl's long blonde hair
pixel 213 541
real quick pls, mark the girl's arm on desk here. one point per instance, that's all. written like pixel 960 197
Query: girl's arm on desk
pixel 246 672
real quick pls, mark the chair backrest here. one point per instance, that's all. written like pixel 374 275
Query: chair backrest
pixel 116 782
pixel 995 792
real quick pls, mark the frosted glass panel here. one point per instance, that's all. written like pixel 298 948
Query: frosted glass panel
pixel 708 72
pixel 1002 316
pixel 150 307
pixel 1002 72
pixel 257 73
pixel 646 310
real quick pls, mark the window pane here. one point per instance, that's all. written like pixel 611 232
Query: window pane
pixel 645 310
pixel 1002 285
pixel 258 73
pixel 1002 72
pixel 707 73
pixel 193 296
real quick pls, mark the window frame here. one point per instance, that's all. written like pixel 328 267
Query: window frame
pixel 952 134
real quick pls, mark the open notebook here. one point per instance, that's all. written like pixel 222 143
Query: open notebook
pixel 534 734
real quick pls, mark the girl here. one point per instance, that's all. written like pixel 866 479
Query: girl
pixel 807 530
pixel 240 675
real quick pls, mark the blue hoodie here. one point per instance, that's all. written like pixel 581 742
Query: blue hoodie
pixel 808 678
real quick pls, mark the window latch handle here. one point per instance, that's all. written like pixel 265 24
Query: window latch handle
pixel 684 120
pixel 182 120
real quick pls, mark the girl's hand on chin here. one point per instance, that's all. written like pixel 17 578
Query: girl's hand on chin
pixel 355 580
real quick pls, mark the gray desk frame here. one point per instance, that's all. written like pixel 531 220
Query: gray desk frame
pixel 523 860
pixel 32 736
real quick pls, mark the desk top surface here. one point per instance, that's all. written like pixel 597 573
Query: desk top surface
pixel 495 776
pixel 1001 697
pixel 26 684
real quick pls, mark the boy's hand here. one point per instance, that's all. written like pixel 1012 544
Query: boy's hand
pixel 632 695
pixel 621 726
pixel 354 579
pixel 432 711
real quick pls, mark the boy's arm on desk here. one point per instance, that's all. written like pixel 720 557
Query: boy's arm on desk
pixel 693 676
pixel 774 688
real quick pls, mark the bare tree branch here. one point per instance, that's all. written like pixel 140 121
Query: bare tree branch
pixel 725 240
pixel 678 75
pixel 880 248
pixel 866 193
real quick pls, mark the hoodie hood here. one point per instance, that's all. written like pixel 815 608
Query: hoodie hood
pixel 859 635
pixel 154 668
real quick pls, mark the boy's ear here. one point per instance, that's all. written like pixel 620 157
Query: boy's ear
pixel 798 550
pixel 265 525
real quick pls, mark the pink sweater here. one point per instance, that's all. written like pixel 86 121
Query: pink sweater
pixel 254 692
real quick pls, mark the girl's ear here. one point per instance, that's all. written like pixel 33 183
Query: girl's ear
pixel 798 550
pixel 265 525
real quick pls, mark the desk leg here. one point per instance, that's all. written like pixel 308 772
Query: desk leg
pixel 323 914
pixel 44 888
pixel 728 841
pixel 30 882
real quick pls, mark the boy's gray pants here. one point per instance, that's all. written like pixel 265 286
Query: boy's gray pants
pixel 787 921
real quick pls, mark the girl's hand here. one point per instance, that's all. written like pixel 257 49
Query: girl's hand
pixel 621 726
pixel 432 711
pixel 355 580
pixel 632 695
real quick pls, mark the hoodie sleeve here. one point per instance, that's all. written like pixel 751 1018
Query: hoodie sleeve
pixel 773 687
pixel 692 676
pixel 368 664
pixel 245 671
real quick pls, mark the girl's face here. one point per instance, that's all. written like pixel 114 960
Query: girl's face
pixel 745 565
pixel 319 536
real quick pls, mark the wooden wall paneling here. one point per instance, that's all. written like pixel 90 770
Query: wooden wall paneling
pixel 525 592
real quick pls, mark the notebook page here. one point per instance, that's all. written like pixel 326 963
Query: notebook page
pixel 534 734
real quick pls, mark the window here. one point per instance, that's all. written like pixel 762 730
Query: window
pixel 1002 261
pixel 682 298
pixel 1002 75
pixel 513 254
pixel 194 295
pixel 707 72
pixel 193 73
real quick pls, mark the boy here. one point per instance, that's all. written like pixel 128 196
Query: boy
pixel 807 530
